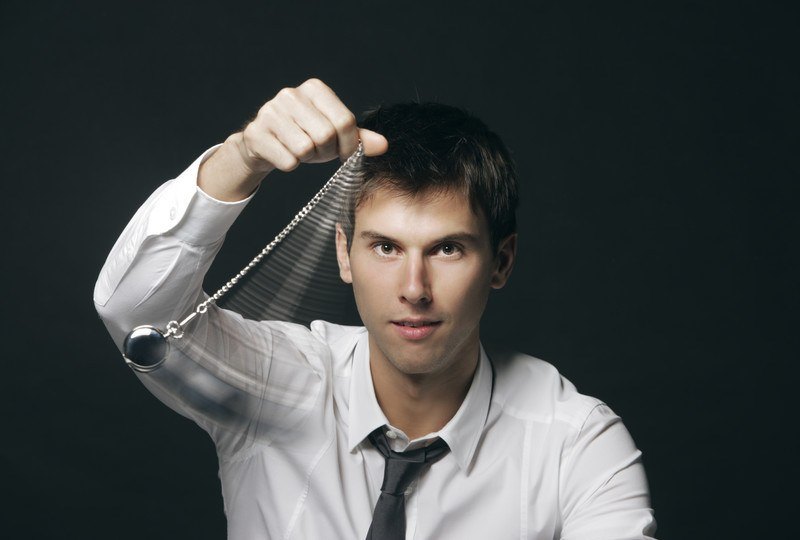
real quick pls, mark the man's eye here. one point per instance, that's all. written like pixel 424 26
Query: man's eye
pixel 384 248
pixel 449 249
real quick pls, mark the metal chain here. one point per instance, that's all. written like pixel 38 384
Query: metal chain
pixel 174 329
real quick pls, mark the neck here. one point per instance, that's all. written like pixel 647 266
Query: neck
pixel 423 403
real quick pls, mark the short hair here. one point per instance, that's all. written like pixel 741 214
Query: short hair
pixel 435 147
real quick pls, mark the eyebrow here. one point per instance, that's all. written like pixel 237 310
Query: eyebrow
pixel 460 237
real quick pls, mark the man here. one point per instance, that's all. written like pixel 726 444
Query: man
pixel 405 428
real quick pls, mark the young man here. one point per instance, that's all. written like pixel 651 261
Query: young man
pixel 404 428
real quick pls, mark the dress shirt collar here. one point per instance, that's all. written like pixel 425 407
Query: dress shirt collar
pixel 461 433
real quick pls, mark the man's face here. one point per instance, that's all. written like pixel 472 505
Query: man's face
pixel 422 268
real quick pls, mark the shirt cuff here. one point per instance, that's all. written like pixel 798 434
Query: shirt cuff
pixel 188 213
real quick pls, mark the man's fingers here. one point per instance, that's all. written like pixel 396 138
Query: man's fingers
pixel 281 157
pixel 305 124
pixel 343 121
pixel 261 147
pixel 295 139
pixel 374 143
pixel 313 123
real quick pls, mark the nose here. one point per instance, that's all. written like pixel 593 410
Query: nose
pixel 415 287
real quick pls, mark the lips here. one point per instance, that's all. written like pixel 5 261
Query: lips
pixel 415 329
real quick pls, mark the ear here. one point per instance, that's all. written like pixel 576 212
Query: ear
pixel 342 256
pixel 504 261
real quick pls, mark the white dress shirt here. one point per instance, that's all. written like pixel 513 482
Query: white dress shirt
pixel 530 457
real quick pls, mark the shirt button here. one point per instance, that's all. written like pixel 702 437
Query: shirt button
pixel 172 213
pixel 391 434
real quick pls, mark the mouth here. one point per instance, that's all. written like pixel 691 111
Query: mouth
pixel 415 324
pixel 415 329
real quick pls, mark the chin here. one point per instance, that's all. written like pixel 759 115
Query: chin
pixel 416 366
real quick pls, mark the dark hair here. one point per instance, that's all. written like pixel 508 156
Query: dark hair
pixel 436 147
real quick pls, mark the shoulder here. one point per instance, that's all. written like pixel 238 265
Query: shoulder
pixel 319 332
pixel 341 340
pixel 318 344
pixel 532 389
pixel 336 334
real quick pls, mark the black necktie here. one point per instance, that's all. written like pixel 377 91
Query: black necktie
pixel 401 468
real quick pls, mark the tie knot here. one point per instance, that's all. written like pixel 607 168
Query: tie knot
pixel 401 468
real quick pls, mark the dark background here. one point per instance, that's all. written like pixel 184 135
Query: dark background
pixel 657 146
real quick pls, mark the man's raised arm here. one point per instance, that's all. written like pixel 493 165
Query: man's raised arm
pixel 155 270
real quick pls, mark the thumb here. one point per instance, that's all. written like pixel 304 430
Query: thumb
pixel 375 144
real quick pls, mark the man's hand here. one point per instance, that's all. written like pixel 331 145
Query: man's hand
pixel 307 124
